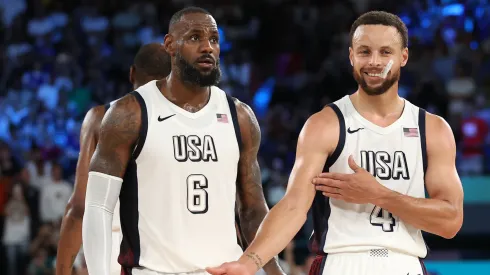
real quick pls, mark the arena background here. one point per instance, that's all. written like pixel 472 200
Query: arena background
pixel 286 59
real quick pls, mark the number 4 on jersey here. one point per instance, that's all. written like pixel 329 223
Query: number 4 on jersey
pixel 197 197
pixel 383 218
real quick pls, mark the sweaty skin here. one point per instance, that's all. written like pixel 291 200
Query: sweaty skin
pixel 71 227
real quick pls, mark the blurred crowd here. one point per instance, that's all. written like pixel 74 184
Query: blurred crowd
pixel 287 59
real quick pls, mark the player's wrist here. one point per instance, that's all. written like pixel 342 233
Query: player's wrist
pixel 385 197
pixel 251 261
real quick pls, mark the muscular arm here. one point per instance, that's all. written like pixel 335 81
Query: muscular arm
pixel 442 213
pixel 118 134
pixel 252 206
pixel 317 138
pixel 71 227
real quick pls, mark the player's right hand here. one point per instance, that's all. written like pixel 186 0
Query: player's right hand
pixel 231 268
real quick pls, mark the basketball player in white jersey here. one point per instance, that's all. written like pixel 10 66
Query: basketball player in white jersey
pixel 151 62
pixel 176 152
pixel 378 152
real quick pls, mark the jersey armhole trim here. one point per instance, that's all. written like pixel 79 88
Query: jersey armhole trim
pixel 234 117
pixel 340 145
pixel 423 144
pixel 144 125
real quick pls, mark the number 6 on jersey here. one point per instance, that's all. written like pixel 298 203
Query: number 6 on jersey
pixel 197 197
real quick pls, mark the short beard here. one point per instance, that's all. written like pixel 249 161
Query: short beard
pixel 385 86
pixel 191 75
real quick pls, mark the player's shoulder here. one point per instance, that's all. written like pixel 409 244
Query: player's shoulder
pixel 94 115
pixel 242 108
pixel 129 103
pixel 324 120
pixel 321 129
pixel 439 135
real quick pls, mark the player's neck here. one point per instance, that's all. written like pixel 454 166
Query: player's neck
pixel 182 94
pixel 386 105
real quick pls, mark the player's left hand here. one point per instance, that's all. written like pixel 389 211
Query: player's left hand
pixel 360 187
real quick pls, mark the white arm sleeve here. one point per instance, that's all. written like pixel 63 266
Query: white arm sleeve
pixel 102 194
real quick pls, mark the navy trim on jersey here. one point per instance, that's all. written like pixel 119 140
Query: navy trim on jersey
pixel 106 107
pixel 234 117
pixel 144 125
pixel 130 251
pixel 423 143
pixel 318 265
pixel 321 204
pixel 424 269
pixel 340 146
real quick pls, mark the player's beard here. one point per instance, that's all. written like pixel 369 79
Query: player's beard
pixel 391 79
pixel 192 75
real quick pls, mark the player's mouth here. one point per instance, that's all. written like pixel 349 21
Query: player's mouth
pixel 373 75
pixel 206 63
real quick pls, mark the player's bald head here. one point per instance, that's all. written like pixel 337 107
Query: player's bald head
pixel 151 62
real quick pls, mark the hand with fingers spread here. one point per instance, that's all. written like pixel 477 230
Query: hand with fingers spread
pixel 360 187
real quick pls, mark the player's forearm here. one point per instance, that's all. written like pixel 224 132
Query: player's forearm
pixel 250 218
pixel 102 194
pixel 278 228
pixel 431 215
pixel 70 241
pixel 97 240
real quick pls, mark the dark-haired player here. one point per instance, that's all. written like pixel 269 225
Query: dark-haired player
pixel 176 152
pixel 151 62
pixel 377 152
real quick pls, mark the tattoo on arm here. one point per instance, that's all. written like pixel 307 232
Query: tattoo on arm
pixel 118 134
pixel 256 259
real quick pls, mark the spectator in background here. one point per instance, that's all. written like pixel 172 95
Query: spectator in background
pixel 39 169
pixel 31 197
pixel 9 165
pixel 55 194
pixel 16 234
pixel 474 135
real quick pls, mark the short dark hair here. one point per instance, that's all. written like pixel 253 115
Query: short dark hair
pixel 152 60
pixel 178 15
pixel 381 18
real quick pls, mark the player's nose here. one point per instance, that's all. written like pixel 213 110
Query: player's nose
pixel 206 47
pixel 375 60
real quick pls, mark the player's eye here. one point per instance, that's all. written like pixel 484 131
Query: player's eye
pixel 194 37
pixel 214 39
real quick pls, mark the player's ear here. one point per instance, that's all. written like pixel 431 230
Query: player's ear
pixel 351 56
pixel 132 73
pixel 169 45
pixel 404 57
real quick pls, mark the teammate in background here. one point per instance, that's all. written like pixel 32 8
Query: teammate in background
pixel 151 62
pixel 176 152
pixel 375 211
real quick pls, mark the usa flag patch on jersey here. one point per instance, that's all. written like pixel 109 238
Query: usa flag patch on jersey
pixel 223 118
pixel 411 132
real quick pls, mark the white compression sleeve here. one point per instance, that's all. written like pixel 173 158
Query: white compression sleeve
pixel 102 194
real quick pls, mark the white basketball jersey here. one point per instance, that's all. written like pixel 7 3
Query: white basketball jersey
pixel 396 156
pixel 178 194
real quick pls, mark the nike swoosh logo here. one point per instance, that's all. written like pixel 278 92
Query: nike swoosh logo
pixel 167 117
pixel 353 131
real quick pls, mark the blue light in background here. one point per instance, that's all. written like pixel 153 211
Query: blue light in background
pixel 474 45
pixel 468 25
pixel 224 44
pixel 453 10
pixel 263 96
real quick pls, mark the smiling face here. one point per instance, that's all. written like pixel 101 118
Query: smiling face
pixel 194 44
pixel 373 46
